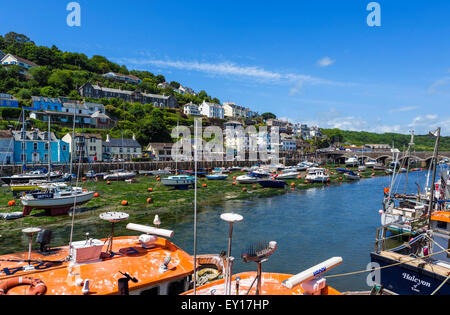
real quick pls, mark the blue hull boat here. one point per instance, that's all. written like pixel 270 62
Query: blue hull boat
pixel 272 183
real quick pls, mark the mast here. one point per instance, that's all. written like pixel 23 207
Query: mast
pixel 22 136
pixel 411 143
pixel 73 142
pixel 195 204
pixel 434 160
pixel 49 149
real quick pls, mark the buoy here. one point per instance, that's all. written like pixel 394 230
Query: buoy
pixel 204 185
pixel 292 184
pixel 373 174
pixel 158 179
pixel 299 177
pixel 96 195
pixel 11 203
pixel 306 182
pixel 150 189
pixel 84 190
pixel 108 183
pixel 254 186
pixel 244 189
pixel 340 178
pixel 84 178
pixel 149 200
pixel 234 177
pixel 234 183
pixel 124 203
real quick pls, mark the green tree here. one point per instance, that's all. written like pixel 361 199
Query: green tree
pixel 267 116
pixel 62 80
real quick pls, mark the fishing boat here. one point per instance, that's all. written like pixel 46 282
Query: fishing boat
pixel 272 183
pixel 421 266
pixel 252 177
pixel 145 265
pixel 218 176
pixel 178 181
pixel 317 175
pixel 55 199
pixel 352 175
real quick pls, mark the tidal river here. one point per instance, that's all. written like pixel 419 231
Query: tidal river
pixel 309 226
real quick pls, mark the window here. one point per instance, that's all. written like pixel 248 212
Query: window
pixel 64 148
pixel 176 287
pixel 442 225
pixel 35 146
pixel 46 147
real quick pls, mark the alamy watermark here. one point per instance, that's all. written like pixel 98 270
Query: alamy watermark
pixel 74 17
pixel 235 144
pixel 374 17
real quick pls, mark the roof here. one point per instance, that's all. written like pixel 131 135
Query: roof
pixel 46 112
pixel 46 99
pixel 125 143
pixel 5 134
pixel 29 136
pixel 22 60
pixel 106 89
pixel 97 114
pixel 87 135
pixel 159 145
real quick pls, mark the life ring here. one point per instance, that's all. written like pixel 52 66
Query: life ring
pixel 37 286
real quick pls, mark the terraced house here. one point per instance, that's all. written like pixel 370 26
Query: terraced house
pixel 33 147
pixel 121 149
pixel 98 91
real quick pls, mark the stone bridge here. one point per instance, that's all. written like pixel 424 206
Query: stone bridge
pixel 421 158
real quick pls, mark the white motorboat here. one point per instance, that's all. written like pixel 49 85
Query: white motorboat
pixel 287 175
pixel 371 163
pixel 178 181
pixel 56 198
pixel 352 161
pixel 317 175
pixel 120 176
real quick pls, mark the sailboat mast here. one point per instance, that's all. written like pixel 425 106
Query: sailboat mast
pixel 411 143
pixel 195 203
pixel 49 149
pixel 434 160
pixel 22 136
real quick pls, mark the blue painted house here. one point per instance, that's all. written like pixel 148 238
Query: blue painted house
pixel 7 100
pixel 32 147
pixel 6 147
pixel 46 103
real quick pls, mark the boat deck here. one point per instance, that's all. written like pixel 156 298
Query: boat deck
pixel 271 285
pixel 420 263
pixel 128 257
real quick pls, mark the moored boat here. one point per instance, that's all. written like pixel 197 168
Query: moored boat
pixel 272 183
pixel 217 176
pixel 317 175
pixel 178 181
pixel 352 175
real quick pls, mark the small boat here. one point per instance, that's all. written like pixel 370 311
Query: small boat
pixel 342 170
pixel 402 170
pixel 362 168
pixel 218 176
pixel 272 183
pixel 287 175
pixel 178 181
pixel 55 199
pixel 352 175
pixel 165 171
pixel 317 175
pixel 221 170
pixel 379 167
pixel 252 177
pixel 122 175
pixel 371 163
pixel 34 175
pixel 352 161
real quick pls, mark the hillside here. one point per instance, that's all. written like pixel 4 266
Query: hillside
pixel 422 142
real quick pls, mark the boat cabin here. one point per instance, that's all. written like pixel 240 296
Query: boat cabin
pixel 440 225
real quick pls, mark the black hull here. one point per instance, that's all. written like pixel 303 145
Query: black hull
pixel 405 279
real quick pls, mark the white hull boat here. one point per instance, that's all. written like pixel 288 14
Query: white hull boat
pixel 179 181
pixel 287 175
pixel 120 176
pixel 317 175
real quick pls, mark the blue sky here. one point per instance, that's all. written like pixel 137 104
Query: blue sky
pixel 316 62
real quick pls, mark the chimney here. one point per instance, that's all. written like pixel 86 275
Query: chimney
pixel 134 137
pixel 108 139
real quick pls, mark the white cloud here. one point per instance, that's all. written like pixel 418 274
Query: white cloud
pixel 325 62
pixel 440 86
pixel 231 69
pixel 403 109
pixel 423 120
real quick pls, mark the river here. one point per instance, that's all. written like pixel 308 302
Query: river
pixel 309 226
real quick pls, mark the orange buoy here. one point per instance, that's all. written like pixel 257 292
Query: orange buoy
pixel 244 189
pixel 234 177
pixel 11 203
pixel 124 203
pixel 84 178
pixel 108 183
pixel 96 195
pixel 204 185
pixel 158 179
pixel 84 190
pixel 150 190
pixel 254 186
pixel 149 200
pixel 234 183
pixel 299 177
pixel 340 178
pixel 306 182
pixel 292 184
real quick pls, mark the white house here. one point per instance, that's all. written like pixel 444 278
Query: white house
pixel 191 109
pixel 86 145
pixel 232 110
pixel 211 110
pixel 9 60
